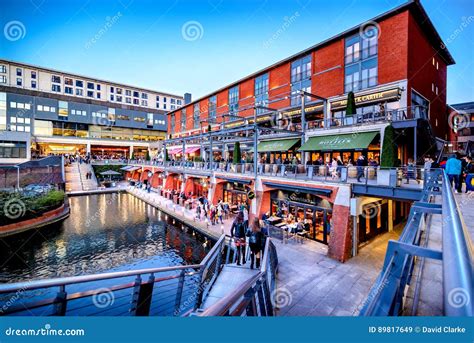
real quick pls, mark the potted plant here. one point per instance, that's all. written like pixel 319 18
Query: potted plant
pixel 387 174
pixel 237 158
pixel 350 108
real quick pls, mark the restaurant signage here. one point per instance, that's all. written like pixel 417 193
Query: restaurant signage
pixel 307 110
pixel 391 94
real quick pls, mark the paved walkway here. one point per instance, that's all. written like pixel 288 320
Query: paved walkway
pixel 316 285
pixel 466 206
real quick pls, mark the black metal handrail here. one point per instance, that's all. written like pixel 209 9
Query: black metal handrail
pixel 255 296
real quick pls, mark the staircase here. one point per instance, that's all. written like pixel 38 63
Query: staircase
pixel 76 177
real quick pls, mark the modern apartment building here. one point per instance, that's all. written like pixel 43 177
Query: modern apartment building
pixel 45 111
pixel 291 122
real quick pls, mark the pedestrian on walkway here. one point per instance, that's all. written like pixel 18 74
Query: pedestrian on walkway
pixel 246 216
pixel 198 211
pixel 361 164
pixel 237 232
pixel 255 243
pixel 453 169
pixel 411 171
pixel 220 212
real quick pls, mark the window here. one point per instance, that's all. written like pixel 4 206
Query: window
pixel 68 90
pixel 79 92
pixel 79 83
pixel 128 92
pixel 33 84
pixel 3 111
pixel 233 102
pixel 119 90
pixel 420 105
pixel 173 101
pixel 90 85
pixel 19 81
pixel 3 79
pixel 90 94
pixel 112 97
pixel 157 98
pixel 183 119
pixel 172 107
pixel 178 102
pixel 12 104
pixel 56 88
pixel 118 98
pixel 98 95
pixel 111 89
pixel 55 79
pixel 98 87
pixel 3 69
pixel 136 101
pixel 68 81
pixel 164 99
pixel 261 92
pixel 144 103
pixel 144 96
pixel 19 72
pixel 212 105
pixel 33 75
pixel 300 78
pixel 164 106
pixel 172 122
pixel 63 108
pixel 10 149
pixel 196 115
pixel 149 119
pixel 128 100
pixel 361 69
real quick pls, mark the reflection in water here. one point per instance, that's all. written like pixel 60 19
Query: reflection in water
pixel 106 232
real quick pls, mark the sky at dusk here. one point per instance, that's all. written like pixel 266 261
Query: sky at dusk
pixel 197 46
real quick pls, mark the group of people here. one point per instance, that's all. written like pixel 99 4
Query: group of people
pixel 241 232
pixel 459 170
pixel 215 214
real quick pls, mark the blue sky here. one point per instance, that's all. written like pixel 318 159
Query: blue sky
pixel 142 42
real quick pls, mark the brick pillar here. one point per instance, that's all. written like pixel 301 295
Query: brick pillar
pixel 218 192
pixel 340 240
pixel 189 186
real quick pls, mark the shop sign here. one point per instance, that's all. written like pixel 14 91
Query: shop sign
pixel 369 98
pixel 307 110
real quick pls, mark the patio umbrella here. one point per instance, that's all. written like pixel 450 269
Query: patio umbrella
pixel 110 173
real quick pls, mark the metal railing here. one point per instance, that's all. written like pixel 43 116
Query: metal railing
pixel 165 291
pixel 370 175
pixel 387 296
pixel 255 296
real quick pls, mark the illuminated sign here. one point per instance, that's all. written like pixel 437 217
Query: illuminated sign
pixel 391 94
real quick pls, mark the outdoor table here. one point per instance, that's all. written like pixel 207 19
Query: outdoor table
pixel 274 220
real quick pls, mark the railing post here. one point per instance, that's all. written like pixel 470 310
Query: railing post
pixel 61 302
pixel 142 294
pixel 179 293
pixel 260 297
pixel 251 308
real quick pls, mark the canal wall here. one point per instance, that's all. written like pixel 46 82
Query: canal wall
pixel 46 218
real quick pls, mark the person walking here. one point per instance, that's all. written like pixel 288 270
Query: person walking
pixel 255 243
pixel 237 232
pixel 361 164
pixel 469 170
pixel 461 175
pixel 453 169
pixel 411 171
pixel 246 216
pixel 220 212
pixel 198 211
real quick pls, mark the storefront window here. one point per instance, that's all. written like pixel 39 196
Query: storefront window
pixel 314 212
pixel 261 92
pixel 196 115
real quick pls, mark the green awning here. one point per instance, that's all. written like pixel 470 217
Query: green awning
pixel 277 145
pixel 351 141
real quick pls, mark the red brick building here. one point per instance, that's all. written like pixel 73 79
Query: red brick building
pixel 396 66
pixel 410 55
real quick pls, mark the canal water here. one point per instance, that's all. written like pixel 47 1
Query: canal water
pixel 106 232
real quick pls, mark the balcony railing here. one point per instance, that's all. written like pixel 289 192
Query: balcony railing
pixel 404 176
